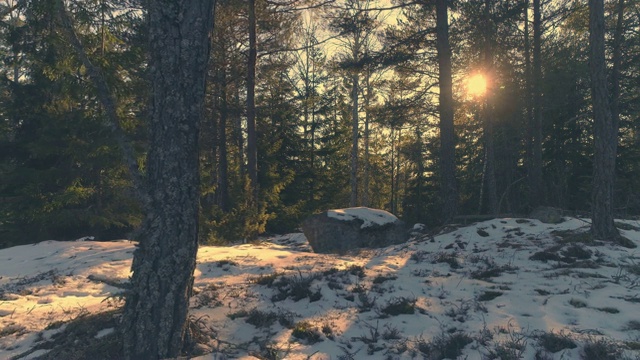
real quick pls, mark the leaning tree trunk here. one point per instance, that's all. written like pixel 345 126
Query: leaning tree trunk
pixel 605 131
pixel 447 134
pixel 155 314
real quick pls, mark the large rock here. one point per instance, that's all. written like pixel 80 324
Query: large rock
pixel 547 215
pixel 338 231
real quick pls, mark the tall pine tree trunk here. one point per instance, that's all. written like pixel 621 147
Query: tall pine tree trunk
pixel 367 121
pixel 222 188
pixel 535 169
pixel 155 314
pixel 448 186
pixel 529 117
pixel 211 140
pixel 312 147
pixel 354 140
pixel 237 126
pixel 605 130
pixel 490 174
pixel 392 203
pixel 252 138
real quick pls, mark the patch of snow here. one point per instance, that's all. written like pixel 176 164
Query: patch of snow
pixel 104 332
pixel 369 216
pixel 85 238
pixel 419 227
pixel 36 354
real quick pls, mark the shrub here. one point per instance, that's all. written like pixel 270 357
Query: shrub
pixel 397 306
pixel 381 278
pixel 448 258
pixel 261 319
pixel 576 303
pixel 601 350
pixel 553 342
pixel 632 325
pixel 307 332
pixel 266 279
pixel 489 295
pixel 445 346
pixel 297 288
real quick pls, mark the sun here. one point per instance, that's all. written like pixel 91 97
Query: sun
pixel 476 85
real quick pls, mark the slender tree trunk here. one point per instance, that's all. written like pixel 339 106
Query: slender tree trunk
pixel 209 200
pixel 102 28
pixel 483 181
pixel 392 203
pixel 239 132
pixel 309 128
pixel 312 147
pixel 16 53
pixel 155 313
pixel 222 188
pixel 367 119
pixel 448 188
pixel 419 178
pixel 16 66
pixel 528 94
pixel 605 130
pixel 354 140
pixel 397 182
pixel 535 170
pixel 492 192
pixel 252 138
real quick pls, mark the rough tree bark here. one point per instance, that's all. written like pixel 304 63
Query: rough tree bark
pixel 252 138
pixel 155 313
pixel 618 38
pixel 448 186
pixel 605 131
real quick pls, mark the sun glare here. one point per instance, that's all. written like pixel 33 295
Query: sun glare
pixel 476 85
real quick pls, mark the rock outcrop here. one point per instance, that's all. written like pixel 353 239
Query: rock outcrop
pixel 338 231
pixel 547 215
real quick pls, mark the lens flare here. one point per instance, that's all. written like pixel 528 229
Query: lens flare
pixel 477 85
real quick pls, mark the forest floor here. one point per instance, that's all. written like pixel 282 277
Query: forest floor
pixel 500 289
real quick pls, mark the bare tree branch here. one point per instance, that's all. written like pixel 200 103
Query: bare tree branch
pixel 8 10
pixel 276 51
pixel 292 3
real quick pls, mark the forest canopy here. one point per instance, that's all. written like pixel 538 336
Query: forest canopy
pixel 317 105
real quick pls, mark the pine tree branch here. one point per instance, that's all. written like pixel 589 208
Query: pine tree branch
pixel 106 98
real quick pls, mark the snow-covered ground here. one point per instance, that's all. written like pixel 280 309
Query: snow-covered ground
pixel 505 288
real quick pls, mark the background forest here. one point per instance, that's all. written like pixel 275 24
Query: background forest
pixel 295 90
